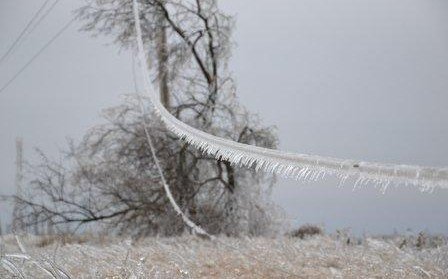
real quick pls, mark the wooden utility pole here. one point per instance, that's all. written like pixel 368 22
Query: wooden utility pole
pixel 17 222
pixel 162 60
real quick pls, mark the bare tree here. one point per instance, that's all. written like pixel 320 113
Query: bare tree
pixel 110 176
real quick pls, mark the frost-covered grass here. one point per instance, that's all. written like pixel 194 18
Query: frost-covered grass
pixel 192 257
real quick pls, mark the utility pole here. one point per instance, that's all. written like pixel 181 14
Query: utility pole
pixel 162 57
pixel 17 222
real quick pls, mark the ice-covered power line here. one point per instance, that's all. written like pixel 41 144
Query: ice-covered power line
pixel 16 42
pixel 196 229
pixel 299 166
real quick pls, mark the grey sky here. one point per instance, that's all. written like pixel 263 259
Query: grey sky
pixel 348 78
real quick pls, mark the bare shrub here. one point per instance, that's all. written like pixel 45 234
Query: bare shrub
pixel 307 231
pixel 63 239
pixel 421 240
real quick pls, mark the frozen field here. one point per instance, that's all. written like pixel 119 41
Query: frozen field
pixel 191 257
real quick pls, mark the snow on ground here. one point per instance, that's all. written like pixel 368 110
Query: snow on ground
pixel 192 257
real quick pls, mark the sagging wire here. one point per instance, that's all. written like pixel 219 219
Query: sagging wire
pixel 298 166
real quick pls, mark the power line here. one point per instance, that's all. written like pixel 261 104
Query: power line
pixel 59 33
pixel 43 16
pixel 38 22
pixel 14 44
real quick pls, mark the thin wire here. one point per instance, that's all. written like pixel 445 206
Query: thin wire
pixel 47 12
pixel 59 33
pixel 36 14
pixel 38 22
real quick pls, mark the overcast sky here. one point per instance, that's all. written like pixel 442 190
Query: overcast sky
pixel 348 78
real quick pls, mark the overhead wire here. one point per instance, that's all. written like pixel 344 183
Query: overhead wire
pixel 23 32
pixel 38 22
pixel 37 54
